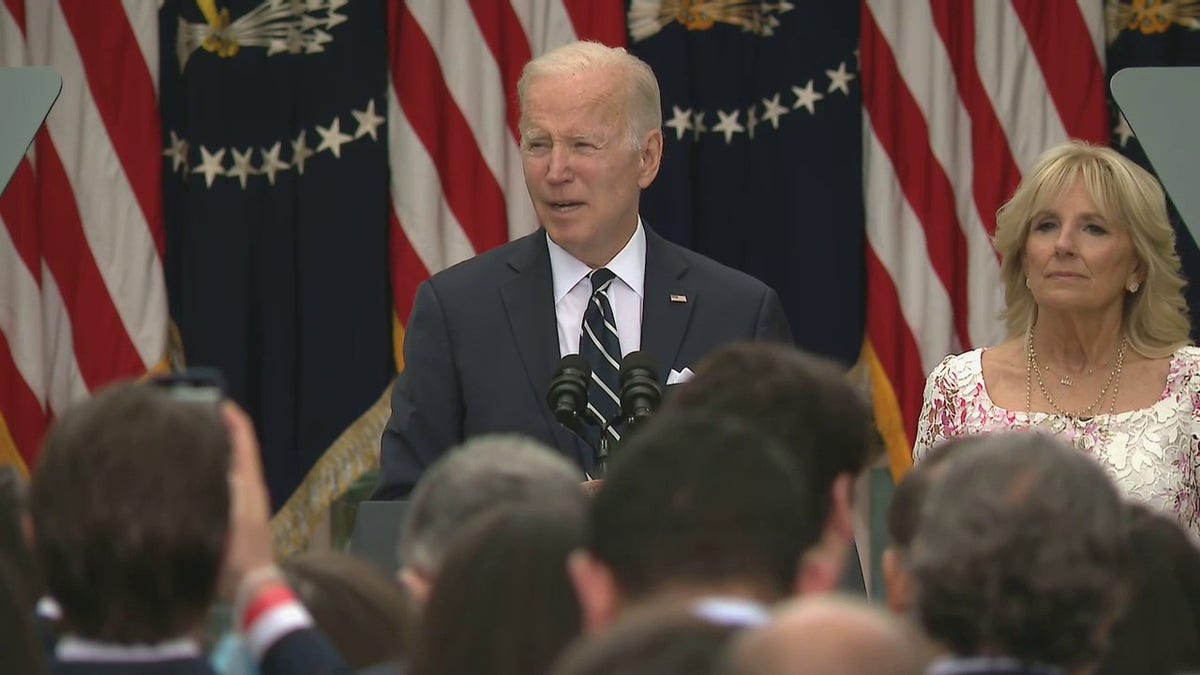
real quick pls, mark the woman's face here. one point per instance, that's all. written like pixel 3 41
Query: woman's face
pixel 1075 259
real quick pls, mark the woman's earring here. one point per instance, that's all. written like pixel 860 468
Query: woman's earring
pixel 1133 286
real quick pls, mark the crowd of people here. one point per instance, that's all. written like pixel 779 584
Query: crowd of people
pixel 1049 524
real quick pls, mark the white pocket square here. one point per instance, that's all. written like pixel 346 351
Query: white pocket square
pixel 679 376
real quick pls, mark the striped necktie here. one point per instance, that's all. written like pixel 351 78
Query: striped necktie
pixel 600 345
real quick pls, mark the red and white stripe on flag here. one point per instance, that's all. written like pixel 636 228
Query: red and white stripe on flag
pixel 82 295
pixel 457 185
pixel 959 98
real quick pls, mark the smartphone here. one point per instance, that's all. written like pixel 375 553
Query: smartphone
pixel 194 385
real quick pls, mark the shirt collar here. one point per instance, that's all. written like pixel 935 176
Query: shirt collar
pixel 72 648
pixel 986 665
pixel 629 265
pixel 731 611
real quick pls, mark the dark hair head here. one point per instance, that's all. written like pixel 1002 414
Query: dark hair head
pixel 1021 552
pixel 657 639
pixel 904 511
pixel 805 401
pixel 20 651
pixel 130 504
pixel 14 511
pixel 1159 631
pixel 697 500
pixel 502 602
pixel 362 612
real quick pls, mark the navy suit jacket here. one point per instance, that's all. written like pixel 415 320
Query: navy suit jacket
pixel 482 346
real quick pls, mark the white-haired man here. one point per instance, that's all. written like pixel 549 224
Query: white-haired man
pixel 485 336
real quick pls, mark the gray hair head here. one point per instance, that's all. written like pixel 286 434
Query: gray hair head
pixel 1021 552
pixel 640 103
pixel 474 478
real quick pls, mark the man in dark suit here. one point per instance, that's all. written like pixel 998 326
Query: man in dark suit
pixel 486 335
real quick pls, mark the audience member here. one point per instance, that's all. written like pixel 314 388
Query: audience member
pixel 809 405
pixel 362 612
pixel 695 506
pixel 903 515
pixel 666 639
pixel 130 505
pixel 142 506
pixel 20 651
pixel 15 532
pixel 1159 631
pixel 502 603
pixel 1019 560
pixel 475 478
pixel 826 635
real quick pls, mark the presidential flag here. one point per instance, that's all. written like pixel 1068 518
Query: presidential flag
pixel 763 144
pixel 275 183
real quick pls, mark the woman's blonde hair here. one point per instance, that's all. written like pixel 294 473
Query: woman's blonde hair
pixel 1129 197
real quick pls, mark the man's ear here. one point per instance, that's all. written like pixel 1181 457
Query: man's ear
pixel 897 582
pixel 650 158
pixel 819 572
pixel 596 589
pixel 840 521
pixel 418 585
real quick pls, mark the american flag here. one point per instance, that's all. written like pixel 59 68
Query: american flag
pixel 959 99
pixel 457 185
pixel 82 296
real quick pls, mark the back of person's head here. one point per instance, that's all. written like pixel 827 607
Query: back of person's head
pixel 130 505
pixel 658 639
pixel 502 602
pixel 804 400
pixel 1021 552
pixel 20 650
pixel 695 505
pixel 827 635
pixel 904 513
pixel 363 612
pixel 476 477
pixel 1159 631
pixel 14 540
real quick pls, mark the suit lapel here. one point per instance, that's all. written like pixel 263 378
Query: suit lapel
pixel 529 303
pixel 667 304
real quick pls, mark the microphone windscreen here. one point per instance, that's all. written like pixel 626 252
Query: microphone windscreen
pixel 638 360
pixel 576 362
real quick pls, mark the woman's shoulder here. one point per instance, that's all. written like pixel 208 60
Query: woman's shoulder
pixel 1184 367
pixel 1187 355
pixel 956 370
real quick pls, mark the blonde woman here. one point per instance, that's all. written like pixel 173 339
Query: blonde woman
pixel 1097 351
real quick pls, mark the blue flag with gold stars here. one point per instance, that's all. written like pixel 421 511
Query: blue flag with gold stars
pixel 762 166
pixel 1157 34
pixel 275 190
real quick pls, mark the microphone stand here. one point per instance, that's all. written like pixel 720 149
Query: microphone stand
pixel 602 451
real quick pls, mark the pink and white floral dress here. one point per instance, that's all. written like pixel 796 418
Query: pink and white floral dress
pixel 1153 454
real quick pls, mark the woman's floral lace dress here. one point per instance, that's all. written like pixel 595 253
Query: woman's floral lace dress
pixel 1153 453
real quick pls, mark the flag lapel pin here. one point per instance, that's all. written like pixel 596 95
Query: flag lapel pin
pixel 676 297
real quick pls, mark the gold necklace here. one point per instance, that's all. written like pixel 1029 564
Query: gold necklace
pixel 1066 380
pixel 1033 371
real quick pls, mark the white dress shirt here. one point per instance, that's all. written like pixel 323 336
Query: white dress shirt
pixel 573 291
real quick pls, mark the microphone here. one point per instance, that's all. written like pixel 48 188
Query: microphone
pixel 640 392
pixel 568 393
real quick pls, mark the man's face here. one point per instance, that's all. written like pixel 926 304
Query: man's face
pixel 583 174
